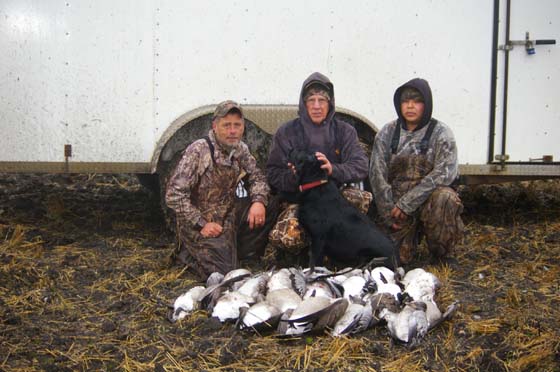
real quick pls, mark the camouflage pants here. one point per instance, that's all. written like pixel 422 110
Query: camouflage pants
pixel 439 219
pixel 288 234
pixel 207 255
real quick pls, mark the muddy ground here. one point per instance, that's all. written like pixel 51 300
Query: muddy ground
pixel 85 280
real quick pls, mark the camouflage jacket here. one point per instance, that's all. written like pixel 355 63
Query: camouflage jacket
pixel 201 191
pixel 441 155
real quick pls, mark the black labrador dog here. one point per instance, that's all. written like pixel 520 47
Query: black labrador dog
pixel 337 228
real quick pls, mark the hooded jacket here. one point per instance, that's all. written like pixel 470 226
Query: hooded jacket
pixel 441 154
pixel 335 138
pixel 424 88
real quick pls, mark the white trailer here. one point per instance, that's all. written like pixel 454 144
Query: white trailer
pixel 123 86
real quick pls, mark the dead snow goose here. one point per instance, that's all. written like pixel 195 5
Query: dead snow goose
pixel 214 278
pixel 186 303
pixel 321 288
pixel 409 325
pixel 299 280
pixel 356 318
pixel 227 307
pixel 284 299
pixel 380 304
pixel 433 313
pixel 313 314
pixel 354 287
pixel 392 289
pixel 422 284
pixel 279 280
pixel 260 317
pixel 237 273
pixel 382 275
pixel 255 287
pixel 214 292
pixel 415 274
pixel 434 321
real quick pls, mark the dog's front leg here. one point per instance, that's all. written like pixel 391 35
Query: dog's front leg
pixel 316 253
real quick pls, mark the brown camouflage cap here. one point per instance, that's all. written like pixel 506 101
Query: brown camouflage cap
pixel 225 107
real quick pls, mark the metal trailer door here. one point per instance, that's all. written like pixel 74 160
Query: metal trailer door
pixel 528 100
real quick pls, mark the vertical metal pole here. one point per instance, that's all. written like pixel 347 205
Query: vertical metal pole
pixel 506 79
pixel 494 81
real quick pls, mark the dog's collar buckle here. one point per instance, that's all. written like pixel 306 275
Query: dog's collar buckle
pixel 310 185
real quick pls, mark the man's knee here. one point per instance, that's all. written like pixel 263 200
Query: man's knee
pixel 360 199
pixel 287 233
pixel 443 194
pixel 441 220
pixel 443 204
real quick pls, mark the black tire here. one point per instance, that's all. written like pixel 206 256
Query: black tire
pixel 149 182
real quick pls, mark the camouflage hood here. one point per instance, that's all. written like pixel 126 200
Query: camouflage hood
pixel 424 88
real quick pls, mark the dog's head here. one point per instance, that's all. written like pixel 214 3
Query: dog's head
pixel 308 168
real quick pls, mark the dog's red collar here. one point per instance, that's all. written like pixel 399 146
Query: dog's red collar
pixel 310 185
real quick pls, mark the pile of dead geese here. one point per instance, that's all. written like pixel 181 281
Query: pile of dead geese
pixel 292 302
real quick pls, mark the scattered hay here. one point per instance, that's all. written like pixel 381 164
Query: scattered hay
pixel 485 327
pixel 532 351
pixel 84 285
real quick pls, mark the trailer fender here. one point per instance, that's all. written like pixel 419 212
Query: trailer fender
pixel 261 123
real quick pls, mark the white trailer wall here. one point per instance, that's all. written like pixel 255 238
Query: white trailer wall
pixel 109 77
pixel 533 112
pixel 79 73
pixel 261 52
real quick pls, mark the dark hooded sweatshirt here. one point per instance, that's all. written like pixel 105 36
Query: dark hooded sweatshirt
pixel 336 139
pixel 441 154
